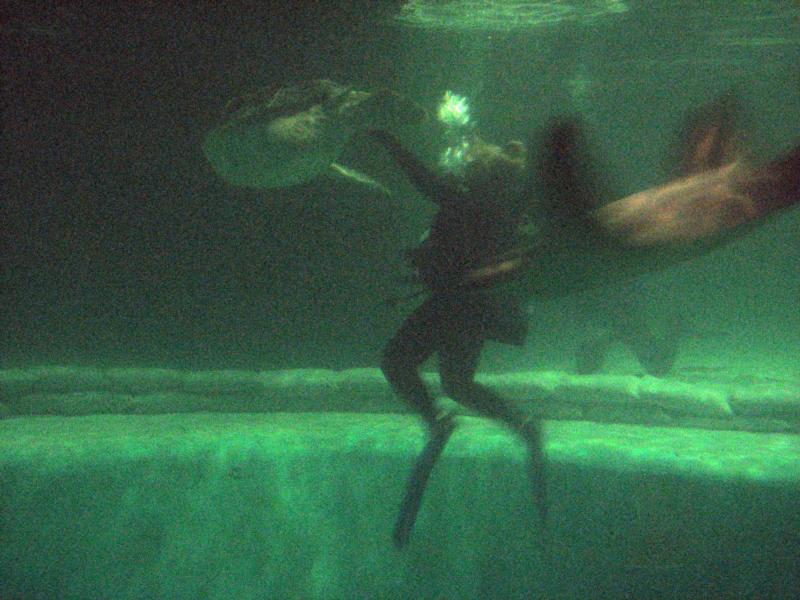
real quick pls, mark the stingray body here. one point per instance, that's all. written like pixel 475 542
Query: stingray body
pixel 585 244
pixel 281 137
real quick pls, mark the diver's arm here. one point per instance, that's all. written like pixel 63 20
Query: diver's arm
pixel 427 182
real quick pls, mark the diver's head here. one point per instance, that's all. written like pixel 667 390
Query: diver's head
pixel 482 166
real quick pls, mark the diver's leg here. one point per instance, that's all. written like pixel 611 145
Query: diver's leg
pixel 411 346
pixel 415 341
pixel 458 361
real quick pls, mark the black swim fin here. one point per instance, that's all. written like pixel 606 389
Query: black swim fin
pixel 536 466
pixel 418 481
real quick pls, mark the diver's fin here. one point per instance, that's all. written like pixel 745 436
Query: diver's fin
pixel 415 487
pixel 709 138
pixel 338 170
pixel 536 466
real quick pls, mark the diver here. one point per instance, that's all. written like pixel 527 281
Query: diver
pixel 484 202
pixel 479 214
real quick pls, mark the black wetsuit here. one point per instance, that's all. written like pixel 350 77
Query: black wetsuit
pixel 454 322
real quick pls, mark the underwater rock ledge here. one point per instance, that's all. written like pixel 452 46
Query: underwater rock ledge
pixel 247 506
pixel 731 400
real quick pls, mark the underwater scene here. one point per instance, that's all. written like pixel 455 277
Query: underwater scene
pixel 384 299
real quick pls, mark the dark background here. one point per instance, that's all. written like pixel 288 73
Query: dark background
pixel 121 246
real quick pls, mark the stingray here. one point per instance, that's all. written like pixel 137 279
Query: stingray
pixel 279 137
pixel 715 199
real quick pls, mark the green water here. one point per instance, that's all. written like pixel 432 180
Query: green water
pixel 123 248
pixel 130 263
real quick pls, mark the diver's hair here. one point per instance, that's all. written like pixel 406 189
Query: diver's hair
pixel 489 163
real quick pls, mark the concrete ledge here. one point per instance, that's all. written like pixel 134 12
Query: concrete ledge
pixel 302 505
pixel 718 400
